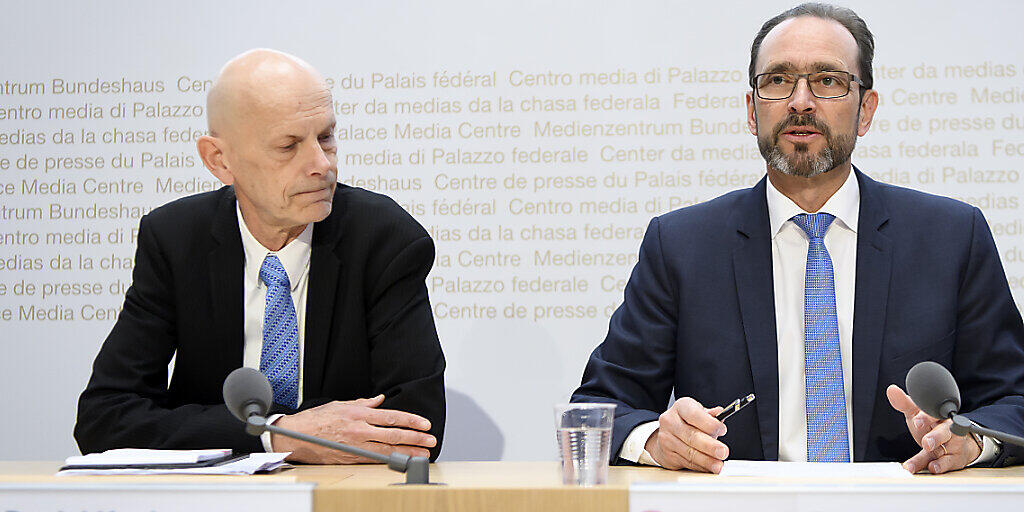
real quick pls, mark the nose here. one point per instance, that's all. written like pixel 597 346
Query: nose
pixel 320 160
pixel 802 101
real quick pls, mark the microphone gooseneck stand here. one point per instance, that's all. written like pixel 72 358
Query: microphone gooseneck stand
pixel 248 396
pixel 416 469
pixel 962 426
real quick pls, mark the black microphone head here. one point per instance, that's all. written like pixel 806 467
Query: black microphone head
pixel 933 389
pixel 244 387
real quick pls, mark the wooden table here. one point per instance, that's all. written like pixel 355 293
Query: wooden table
pixel 490 486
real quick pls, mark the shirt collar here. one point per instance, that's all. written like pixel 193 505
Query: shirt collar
pixel 844 205
pixel 294 256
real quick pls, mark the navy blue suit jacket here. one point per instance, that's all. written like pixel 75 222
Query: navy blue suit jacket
pixel 698 318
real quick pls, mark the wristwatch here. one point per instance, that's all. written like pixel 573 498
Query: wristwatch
pixel 978 439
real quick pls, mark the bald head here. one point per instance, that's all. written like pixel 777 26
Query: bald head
pixel 271 138
pixel 258 82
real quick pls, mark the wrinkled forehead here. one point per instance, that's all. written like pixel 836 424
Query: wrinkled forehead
pixel 806 44
pixel 297 99
pixel 276 107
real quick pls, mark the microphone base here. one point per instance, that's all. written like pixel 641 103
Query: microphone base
pixel 417 472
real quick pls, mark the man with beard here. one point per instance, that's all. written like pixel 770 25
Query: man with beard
pixel 816 290
pixel 318 285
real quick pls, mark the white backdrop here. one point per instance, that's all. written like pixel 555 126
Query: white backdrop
pixel 535 140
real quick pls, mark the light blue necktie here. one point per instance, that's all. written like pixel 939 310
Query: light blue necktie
pixel 279 359
pixel 823 365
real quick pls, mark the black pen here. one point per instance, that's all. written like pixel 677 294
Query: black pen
pixel 735 407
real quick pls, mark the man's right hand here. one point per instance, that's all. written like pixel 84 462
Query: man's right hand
pixel 687 437
pixel 357 423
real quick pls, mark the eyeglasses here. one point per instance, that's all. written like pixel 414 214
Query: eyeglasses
pixel 823 84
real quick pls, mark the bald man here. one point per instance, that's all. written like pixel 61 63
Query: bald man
pixel 318 285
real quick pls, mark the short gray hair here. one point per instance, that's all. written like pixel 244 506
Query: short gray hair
pixel 842 15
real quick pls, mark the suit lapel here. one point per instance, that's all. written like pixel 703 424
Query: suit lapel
pixel 752 263
pixel 322 297
pixel 874 267
pixel 226 268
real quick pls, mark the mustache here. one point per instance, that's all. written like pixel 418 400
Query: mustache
pixel 801 120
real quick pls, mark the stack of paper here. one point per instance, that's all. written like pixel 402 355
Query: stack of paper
pixel 131 461
pixel 127 456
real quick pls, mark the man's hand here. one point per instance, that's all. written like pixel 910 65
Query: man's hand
pixel 687 438
pixel 941 451
pixel 357 423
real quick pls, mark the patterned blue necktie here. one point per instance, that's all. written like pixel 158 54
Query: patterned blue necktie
pixel 823 365
pixel 279 360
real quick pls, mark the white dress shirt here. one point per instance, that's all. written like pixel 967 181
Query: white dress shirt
pixel 789 259
pixel 789 269
pixel 295 259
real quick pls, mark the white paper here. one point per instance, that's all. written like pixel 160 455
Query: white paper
pixel 806 470
pixel 123 456
pixel 254 463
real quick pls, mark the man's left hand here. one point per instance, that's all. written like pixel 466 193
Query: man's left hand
pixel 941 451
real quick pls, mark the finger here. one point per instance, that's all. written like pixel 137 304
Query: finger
pixel 669 459
pixel 388 449
pixel 685 435
pixel 714 412
pixel 693 413
pixel 413 451
pixel 919 462
pixel 901 401
pixel 661 455
pixel 369 402
pixel 705 443
pixel 946 463
pixel 923 422
pixel 938 435
pixel 689 456
pixel 393 418
pixel 397 436
pixel 677 436
pixel 671 425
pixel 920 425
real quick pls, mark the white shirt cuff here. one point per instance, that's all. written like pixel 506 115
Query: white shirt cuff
pixel 989 451
pixel 265 436
pixel 633 449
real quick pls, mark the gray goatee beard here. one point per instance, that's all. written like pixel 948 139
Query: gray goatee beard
pixel 798 165
pixel 837 150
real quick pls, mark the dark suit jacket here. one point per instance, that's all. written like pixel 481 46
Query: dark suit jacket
pixel 369 327
pixel 698 318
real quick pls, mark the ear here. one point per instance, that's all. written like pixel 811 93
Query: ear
pixel 211 151
pixel 868 105
pixel 751 114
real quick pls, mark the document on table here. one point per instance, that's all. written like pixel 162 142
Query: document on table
pixel 814 469
pixel 166 462
pixel 123 456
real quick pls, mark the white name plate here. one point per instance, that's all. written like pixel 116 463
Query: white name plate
pixel 731 496
pixel 156 497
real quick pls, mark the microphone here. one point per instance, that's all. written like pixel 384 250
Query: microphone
pixel 933 389
pixel 248 395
